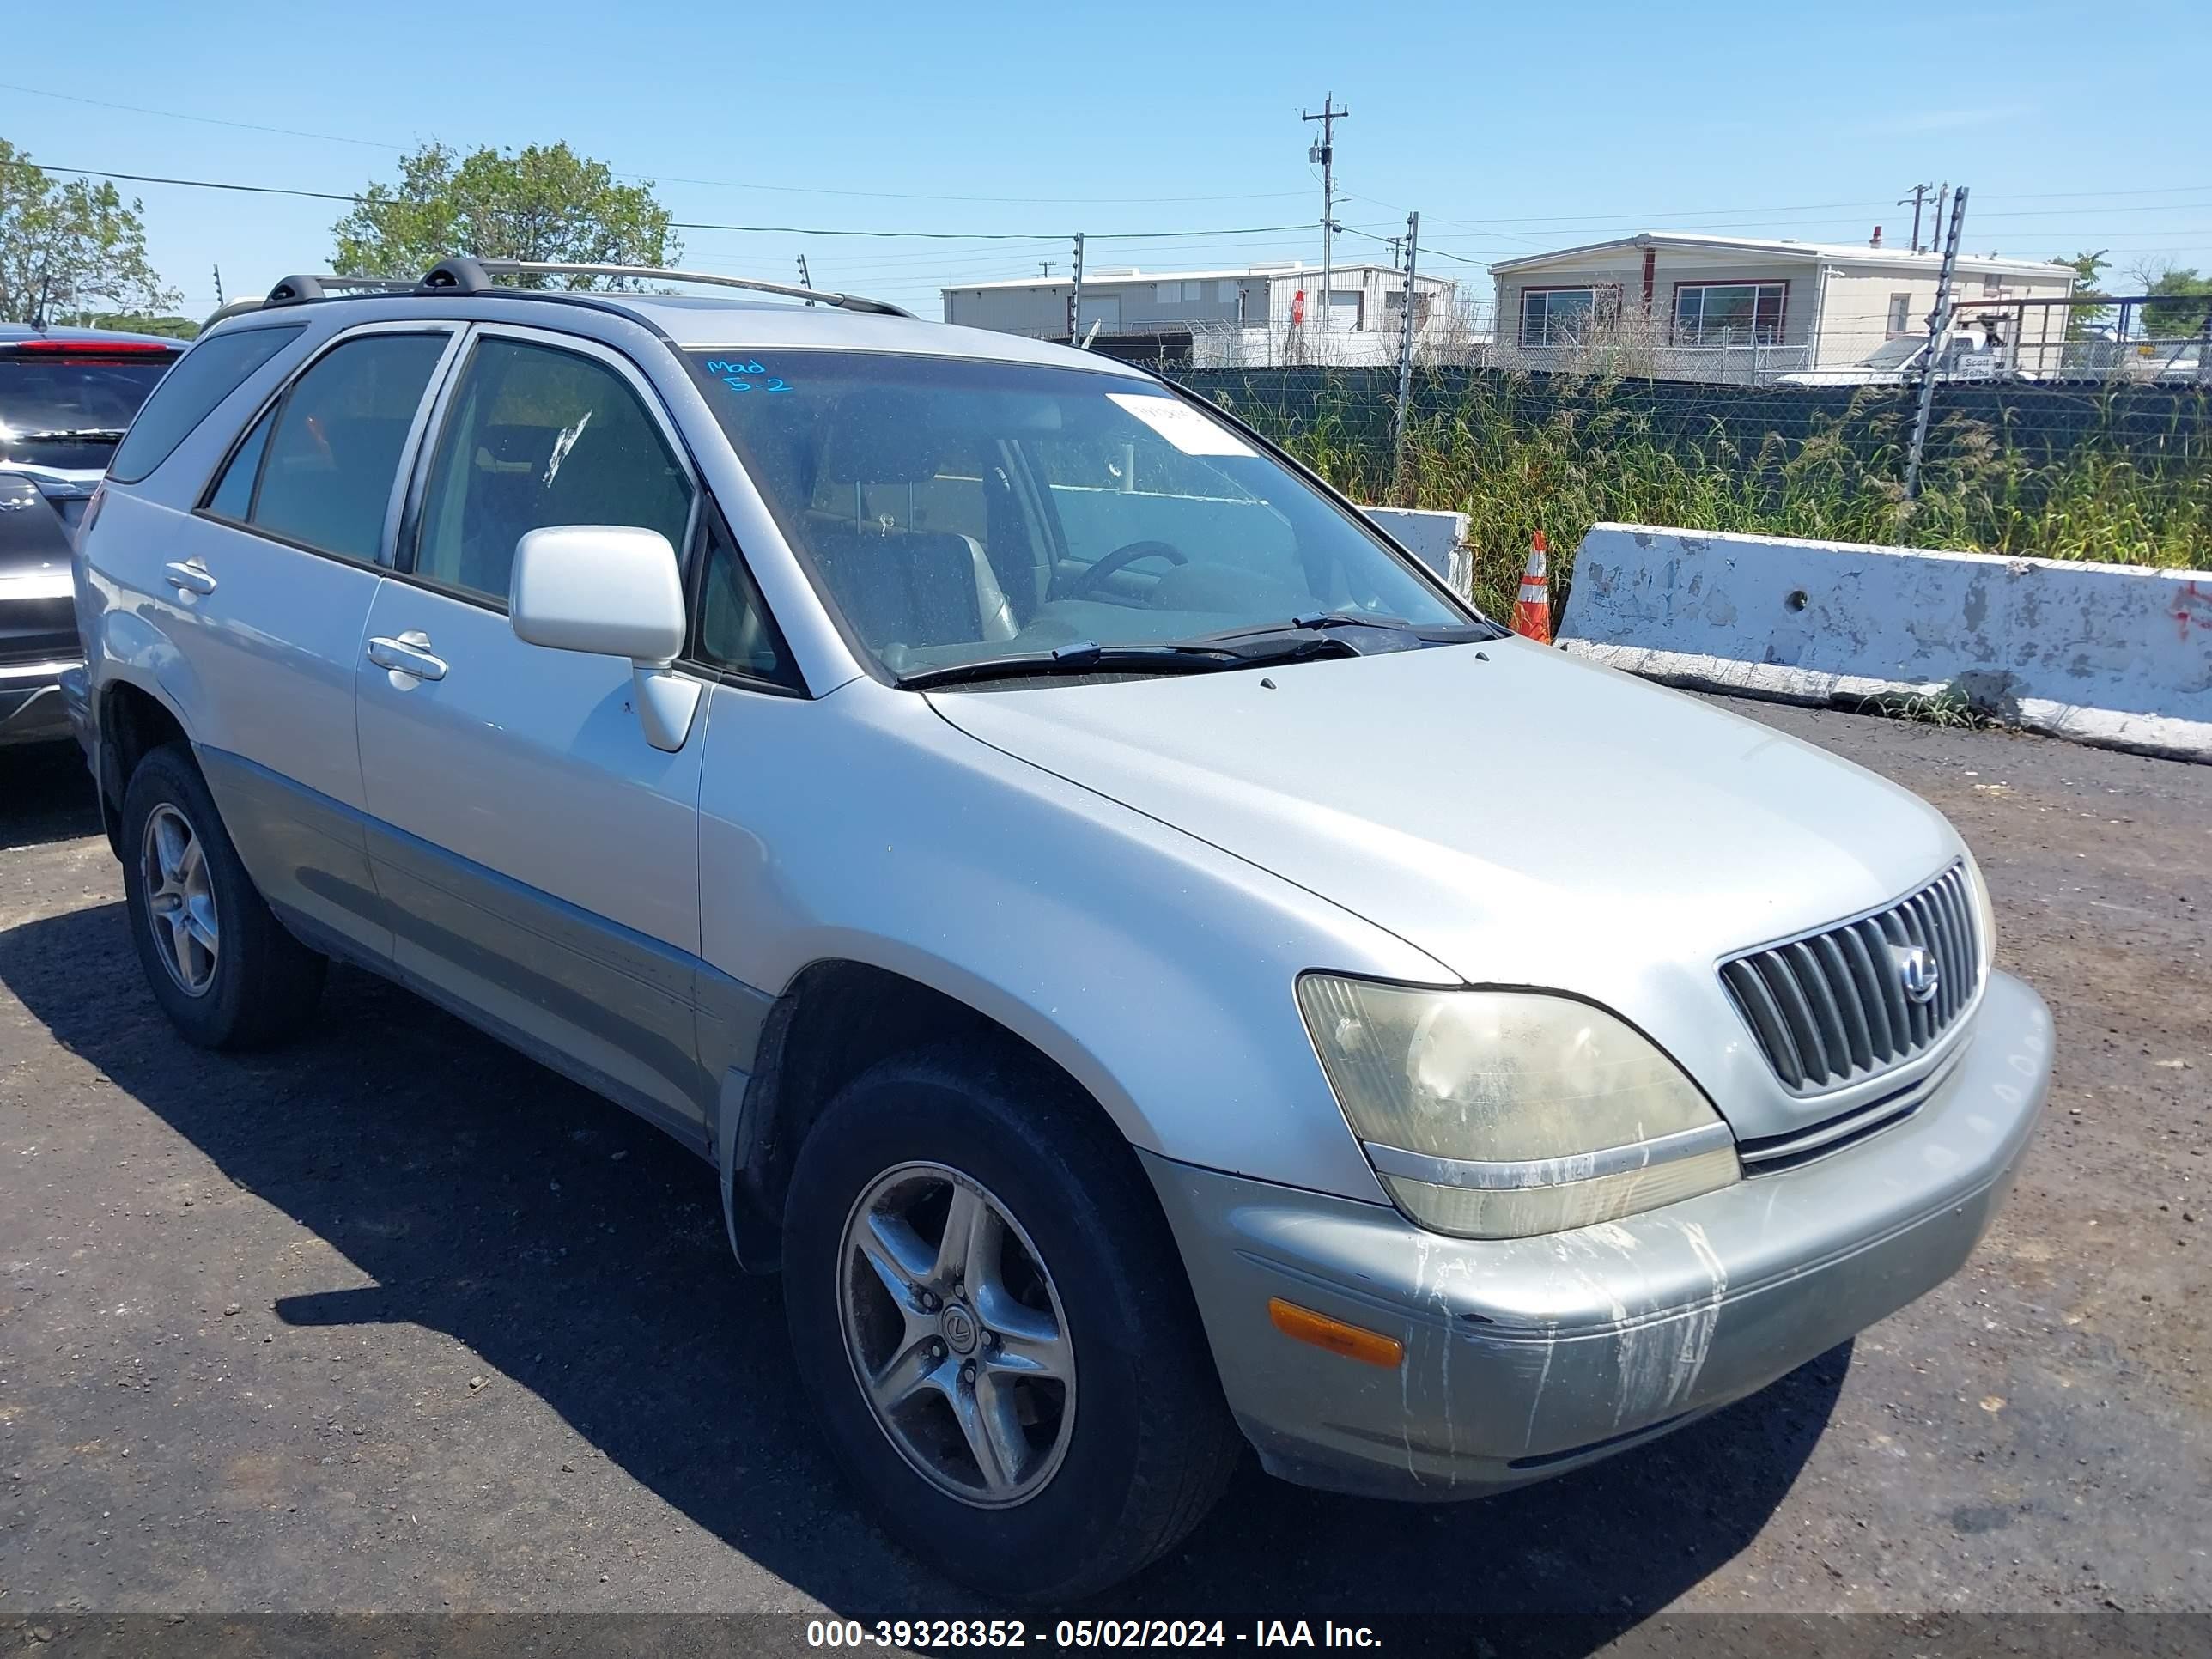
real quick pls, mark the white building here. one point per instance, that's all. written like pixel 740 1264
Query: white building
pixel 1252 314
pixel 1682 306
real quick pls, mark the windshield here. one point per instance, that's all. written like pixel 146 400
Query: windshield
pixel 958 512
pixel 89 400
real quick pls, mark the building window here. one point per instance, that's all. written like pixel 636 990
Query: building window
pixel 1991 286
pixel 1727 314
pixel 1900 313
pixel 1563 316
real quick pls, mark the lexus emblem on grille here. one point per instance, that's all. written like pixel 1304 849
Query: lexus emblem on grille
pixel 1917 971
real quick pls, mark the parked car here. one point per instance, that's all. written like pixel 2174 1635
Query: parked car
pixel 66 395
pixel 1038 845
pixel 1971 353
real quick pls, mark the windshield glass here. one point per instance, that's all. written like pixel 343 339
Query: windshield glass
pixel 76 395
pixel 957 511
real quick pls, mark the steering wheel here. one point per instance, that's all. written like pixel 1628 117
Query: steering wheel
pixel 1120 559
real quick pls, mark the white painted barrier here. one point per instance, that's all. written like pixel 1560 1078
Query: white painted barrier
pixel 2119 656
pixel 1438 540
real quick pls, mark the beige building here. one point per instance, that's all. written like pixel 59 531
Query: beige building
pixel 1680 305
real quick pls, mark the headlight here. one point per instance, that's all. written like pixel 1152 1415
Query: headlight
pixel 1501 1114
pixel 1985 917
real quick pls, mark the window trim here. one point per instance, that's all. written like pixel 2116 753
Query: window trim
pixel 1901 312
pixel 273 405
pixel 694 660
pixel 408 533
pixel 1781 317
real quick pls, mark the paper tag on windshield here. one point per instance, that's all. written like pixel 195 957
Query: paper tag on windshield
pixel 1182 425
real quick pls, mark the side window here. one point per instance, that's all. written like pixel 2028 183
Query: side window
pixel 329 461
pixel 232 498
pixel 203 377
pixel 735 629
pixel 538 436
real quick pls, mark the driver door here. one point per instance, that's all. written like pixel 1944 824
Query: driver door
pixel 540 858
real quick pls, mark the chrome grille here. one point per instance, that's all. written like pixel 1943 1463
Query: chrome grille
pixel 1829 1008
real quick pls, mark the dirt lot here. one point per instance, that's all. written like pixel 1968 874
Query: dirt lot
pixel 395 1320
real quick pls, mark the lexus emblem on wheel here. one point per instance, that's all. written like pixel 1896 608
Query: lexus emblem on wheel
pixel 1917 971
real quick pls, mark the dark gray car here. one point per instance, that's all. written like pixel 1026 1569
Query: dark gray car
pixel 66 396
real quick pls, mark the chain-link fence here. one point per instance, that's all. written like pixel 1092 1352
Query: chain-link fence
pixel 2111 471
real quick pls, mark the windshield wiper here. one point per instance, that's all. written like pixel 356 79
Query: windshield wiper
pixel 77 434
pixel 1320 622
pixel 1086 657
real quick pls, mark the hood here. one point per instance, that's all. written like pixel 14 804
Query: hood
pixel 1521 816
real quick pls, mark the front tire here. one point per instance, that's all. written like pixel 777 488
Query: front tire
pixel 990 1315
pixel 216 958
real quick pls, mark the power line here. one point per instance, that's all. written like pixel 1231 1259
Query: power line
pixel 680 224
pixel 714 184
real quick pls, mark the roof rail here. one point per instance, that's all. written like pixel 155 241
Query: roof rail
pixel 293 289
pixel 474 276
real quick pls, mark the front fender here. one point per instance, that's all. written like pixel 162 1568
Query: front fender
pixel 1156 970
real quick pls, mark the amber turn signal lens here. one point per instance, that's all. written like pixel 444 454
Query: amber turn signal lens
pixel 1371 1347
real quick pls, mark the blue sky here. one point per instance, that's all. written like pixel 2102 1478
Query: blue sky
pixel 1512 128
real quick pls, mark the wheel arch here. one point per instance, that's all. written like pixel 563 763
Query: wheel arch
pixel 838 1017
pixel 131 721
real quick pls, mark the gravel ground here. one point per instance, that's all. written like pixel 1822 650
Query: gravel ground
pixel 394 1320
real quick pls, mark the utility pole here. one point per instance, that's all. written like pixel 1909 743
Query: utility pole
pixel 218 288
pixel 1939 328
pixel 1325 153
pixel 1919 194
pixel 1405 351
pixel 1941 190
pixel 1075 295
pixel 805 280
pixel 1045 266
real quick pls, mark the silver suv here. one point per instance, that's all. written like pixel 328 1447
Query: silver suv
pixel 1156 971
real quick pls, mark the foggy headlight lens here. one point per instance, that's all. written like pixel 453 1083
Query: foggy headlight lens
pixel 1503 1114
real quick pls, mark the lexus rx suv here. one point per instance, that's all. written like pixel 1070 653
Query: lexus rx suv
pixel 1047 854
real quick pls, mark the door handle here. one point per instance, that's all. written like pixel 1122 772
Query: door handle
pixel 189 576
pixel 409 654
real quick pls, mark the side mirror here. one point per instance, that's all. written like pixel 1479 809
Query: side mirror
pixel 611 590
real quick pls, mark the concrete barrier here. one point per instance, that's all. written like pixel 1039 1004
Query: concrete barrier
pixel 1438 540
pixel 2119 656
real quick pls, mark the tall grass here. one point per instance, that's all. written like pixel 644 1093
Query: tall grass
pixel 1517 459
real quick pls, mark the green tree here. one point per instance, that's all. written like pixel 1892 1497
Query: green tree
pixel 134 322
pixel 2185 300
pixel 2088 268
pixel 65 243
pixel 540 202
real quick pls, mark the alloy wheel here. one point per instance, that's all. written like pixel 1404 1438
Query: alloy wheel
pixel 180 908
pixel 957 1336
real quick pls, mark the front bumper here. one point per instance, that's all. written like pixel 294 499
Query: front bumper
pixel 1526 1358
pixel 32 708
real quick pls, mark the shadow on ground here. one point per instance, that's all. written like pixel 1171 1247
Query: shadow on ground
pixel 581 1256
pixel 48 794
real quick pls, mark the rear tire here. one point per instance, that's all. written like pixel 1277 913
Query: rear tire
pixel 216 958
pixel 1109 1465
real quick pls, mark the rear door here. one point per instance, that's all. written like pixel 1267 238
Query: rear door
pixel 271 581
pixel 540 858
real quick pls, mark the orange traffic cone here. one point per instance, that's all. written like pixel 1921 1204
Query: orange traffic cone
pixel 1532 612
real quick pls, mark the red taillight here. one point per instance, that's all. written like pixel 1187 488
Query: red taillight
pixel 95 348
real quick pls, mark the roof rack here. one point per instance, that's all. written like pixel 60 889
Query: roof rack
pixel 464 276
pixel 294 290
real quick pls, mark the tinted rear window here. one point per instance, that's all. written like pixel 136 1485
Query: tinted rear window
pixel 203 377
pixel 67 412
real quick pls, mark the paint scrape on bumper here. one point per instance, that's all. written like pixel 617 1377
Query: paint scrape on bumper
pixel 1526 1358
